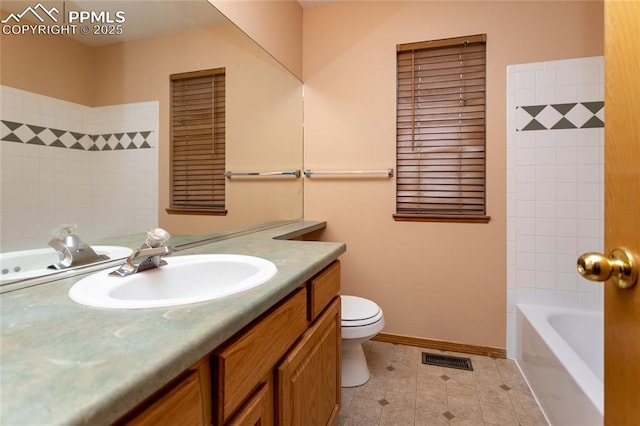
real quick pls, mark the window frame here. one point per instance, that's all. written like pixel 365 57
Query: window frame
pixel 471 211
pixel 214 141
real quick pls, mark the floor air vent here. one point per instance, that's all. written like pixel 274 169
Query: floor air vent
pixel 447 361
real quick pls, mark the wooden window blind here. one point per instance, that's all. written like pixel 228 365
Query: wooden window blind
pixel 440 132
pixel 198 142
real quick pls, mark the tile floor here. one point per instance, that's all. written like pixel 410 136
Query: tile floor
pixel 403 391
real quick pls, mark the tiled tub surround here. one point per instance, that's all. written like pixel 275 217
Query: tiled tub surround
pixel 555 183
pixel 68 163
pixel 555 201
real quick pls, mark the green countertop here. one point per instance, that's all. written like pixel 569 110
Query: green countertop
pixel 65 363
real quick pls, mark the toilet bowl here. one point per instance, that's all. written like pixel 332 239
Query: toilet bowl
pixel 361 320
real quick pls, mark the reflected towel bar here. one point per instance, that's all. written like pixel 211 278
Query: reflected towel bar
pixel 351 173
pixel 295 173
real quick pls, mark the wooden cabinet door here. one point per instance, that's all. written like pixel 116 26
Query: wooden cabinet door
pixel 240 366
pixel 258 411
pixel 309 377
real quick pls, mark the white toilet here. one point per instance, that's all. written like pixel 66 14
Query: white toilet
pixel 361 320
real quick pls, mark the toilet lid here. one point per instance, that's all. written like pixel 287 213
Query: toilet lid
pixel 357 310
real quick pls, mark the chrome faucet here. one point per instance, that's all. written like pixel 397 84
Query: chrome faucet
pixel 148 256
pixel 72 251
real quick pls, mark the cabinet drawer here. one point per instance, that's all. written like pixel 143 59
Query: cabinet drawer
pixel 323 288
pixel 241 365
pixel 180 404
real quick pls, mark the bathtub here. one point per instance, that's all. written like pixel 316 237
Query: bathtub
pixel 560 353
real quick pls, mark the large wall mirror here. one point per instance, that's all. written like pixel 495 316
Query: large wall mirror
pixel 85 113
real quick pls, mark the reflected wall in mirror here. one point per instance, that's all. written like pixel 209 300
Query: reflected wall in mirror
pixel 85 122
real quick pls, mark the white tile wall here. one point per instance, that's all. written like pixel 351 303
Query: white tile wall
pixel 105 193
pixel 555 189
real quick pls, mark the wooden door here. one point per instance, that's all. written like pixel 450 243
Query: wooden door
pixel 622 208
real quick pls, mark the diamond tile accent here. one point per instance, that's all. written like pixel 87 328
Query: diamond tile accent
pixel 47 136
pixel 505 387
pixel 24 133
pixel 35 141
pixel 4 130
pixel 592 123
pixel 579 115
pixel 35 129
pixel 11 137
pixel 76 135
pixel 534 125
pixel 563 108
pixel 390 368
pixel 448 415
pixel 138 139
pixel 383 402
pixel 11 125
pixel 522 118
pixel 86 142
pixel 58 132
pixel 57 138
pixel 445 377
pixel 534 110
pixel 549 116
pixel 594 107
pixel 67 140
pixel 563 124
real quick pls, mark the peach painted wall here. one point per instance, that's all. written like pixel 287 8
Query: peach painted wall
pixel 28 61
pixel 433 280
pixel 263 117
pixel 275 25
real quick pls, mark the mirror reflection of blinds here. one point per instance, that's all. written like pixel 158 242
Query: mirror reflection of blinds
pixel 441 127
pixel 198 140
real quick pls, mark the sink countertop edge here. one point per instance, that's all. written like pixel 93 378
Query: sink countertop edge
pixel 121 357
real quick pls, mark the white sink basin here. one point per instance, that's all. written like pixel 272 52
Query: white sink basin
pixel 18 265
pixel 183 280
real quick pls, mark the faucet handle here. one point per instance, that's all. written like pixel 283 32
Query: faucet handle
pixel 148 256
pixel 156 237
pixel 64 230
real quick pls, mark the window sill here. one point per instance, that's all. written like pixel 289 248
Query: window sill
pixel 459 218
pixel 194 211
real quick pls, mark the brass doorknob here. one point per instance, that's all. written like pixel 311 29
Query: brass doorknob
pixel 621 266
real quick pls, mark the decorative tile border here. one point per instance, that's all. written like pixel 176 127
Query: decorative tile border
pixel 578 115
pixel 38 135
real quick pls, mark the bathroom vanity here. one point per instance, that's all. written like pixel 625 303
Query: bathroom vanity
pixel 247 381
pixel 268 355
